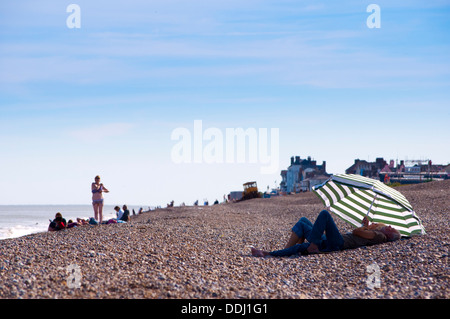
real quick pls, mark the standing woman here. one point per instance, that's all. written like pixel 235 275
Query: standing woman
pixel 97 198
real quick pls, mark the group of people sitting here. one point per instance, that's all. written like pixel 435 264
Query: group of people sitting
pixel 59 223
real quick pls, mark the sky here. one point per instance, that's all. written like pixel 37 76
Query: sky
pixel 121 96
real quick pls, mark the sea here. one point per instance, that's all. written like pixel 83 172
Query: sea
pixel 21 220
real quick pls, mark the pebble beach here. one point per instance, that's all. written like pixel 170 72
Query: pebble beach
pixel 204 253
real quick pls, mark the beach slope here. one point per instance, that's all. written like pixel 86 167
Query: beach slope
pixel 203 252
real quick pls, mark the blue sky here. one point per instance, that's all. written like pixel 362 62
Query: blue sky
pixel 105 98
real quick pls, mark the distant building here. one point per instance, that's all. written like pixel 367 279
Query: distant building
pixel 302 174
pixel 309 182
pixel 392 169
pixel 413 171
pixel 367 169
pixel 283 184
pixel 447 168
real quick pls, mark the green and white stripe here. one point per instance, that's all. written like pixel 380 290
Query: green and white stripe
pixel 352 197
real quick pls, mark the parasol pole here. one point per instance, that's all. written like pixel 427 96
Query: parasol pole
pixel 376 195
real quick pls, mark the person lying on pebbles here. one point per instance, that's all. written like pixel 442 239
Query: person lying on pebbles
pixel 324 236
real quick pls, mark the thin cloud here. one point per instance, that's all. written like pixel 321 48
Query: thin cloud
pixel 101 132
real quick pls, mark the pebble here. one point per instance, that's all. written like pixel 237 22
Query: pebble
pixel 187 252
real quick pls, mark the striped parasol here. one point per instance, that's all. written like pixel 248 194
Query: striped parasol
pixel 351 197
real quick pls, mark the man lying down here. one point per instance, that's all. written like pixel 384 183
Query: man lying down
pixel 324 236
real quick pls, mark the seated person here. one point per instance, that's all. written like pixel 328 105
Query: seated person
pixel 121 216
pixel 126 214
pixel 58 223
pixel 332 240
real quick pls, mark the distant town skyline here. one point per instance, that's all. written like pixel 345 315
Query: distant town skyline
pixel 99 88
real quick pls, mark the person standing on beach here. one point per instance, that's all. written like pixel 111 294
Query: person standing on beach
pixel 97 198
